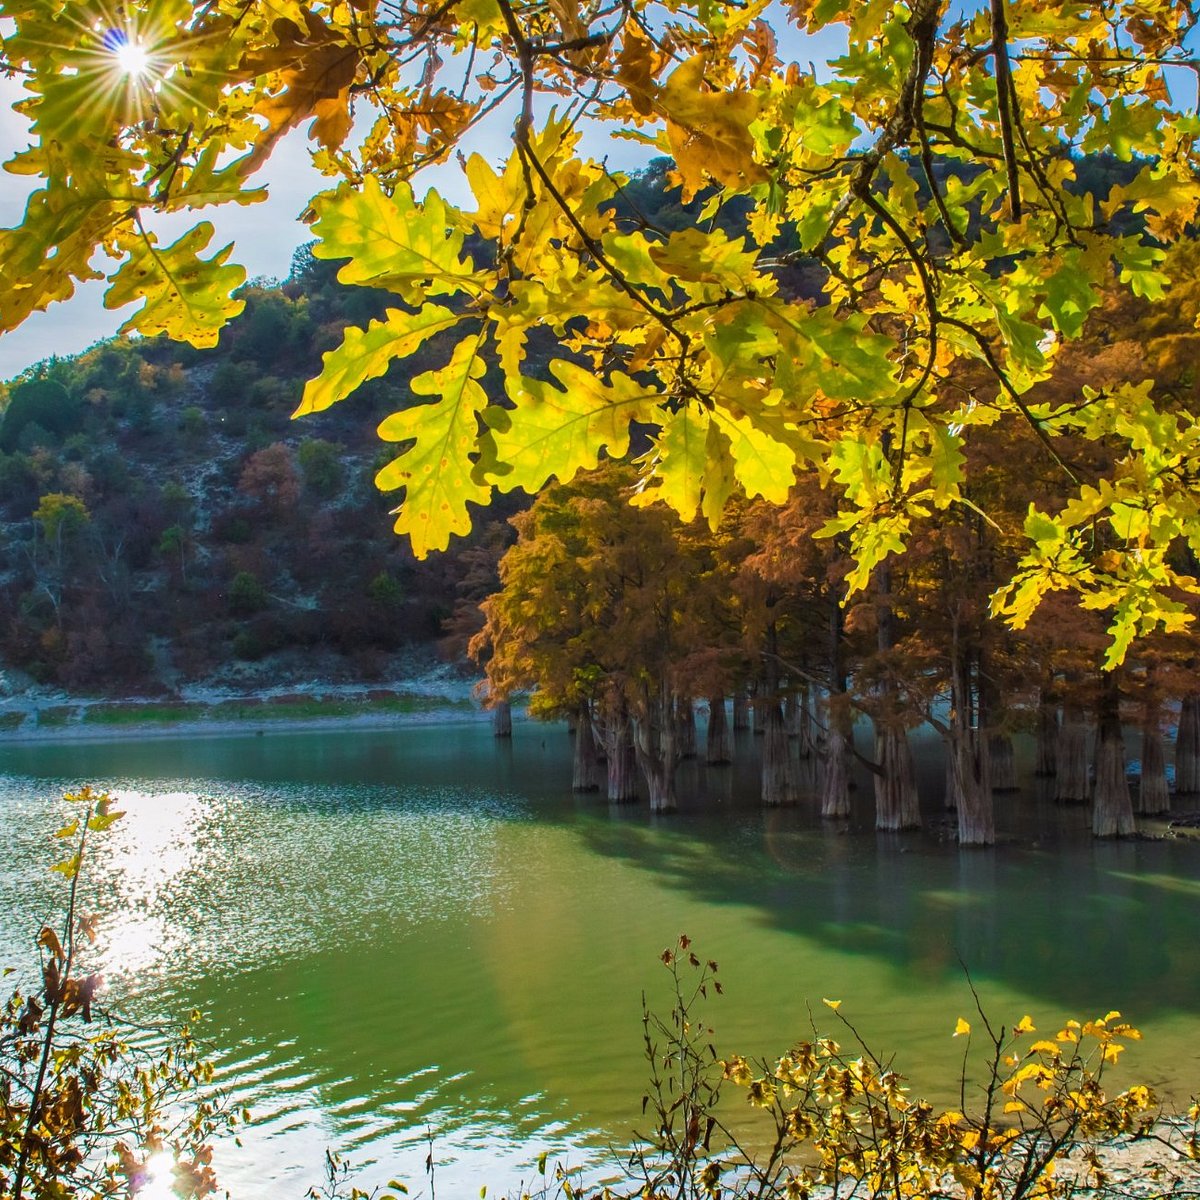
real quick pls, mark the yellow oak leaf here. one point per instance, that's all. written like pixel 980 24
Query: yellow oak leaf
pixel 709 131
pixel 187 297
pixel 367 354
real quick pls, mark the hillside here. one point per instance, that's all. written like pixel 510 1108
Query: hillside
pixel 164 520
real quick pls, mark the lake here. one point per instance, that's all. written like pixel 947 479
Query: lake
pixel 421 933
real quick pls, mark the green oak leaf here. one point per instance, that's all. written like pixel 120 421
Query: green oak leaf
pixel 764 466
pixel 367 354
pixel 681 451
pixel 436 471
pixel 392 241
pixel 560 430
pixel 184 296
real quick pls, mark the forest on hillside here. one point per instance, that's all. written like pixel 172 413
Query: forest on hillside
pixel 162 516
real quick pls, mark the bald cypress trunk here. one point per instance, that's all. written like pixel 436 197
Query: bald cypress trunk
pixel 806 729
pixel 896 801
pixel 791 714
pixel 835 750
pixel 1071 778
pixel 1112 808
pixel 685 726
pixel 969 759
pixel 622 768
pixel 896 804
pixel 1187 748
pixel 657 748
pixel 835 774
pixel 585 775
pixel 778 785
pixel 741 712
pixel 718 744
pixel 950 799
pixel 1153 794
pixel 777 782
pixel 1046 755
pixel 502 719
pixel 1003 763
pixel 808 767
pixel 619 752
pixel 973 787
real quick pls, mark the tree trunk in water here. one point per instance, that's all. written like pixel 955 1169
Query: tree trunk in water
pixel 622 769
pixel 1047 738
pixel 835 747
pixel 896 802
pixel 778 786
pixel 1112 809
pixel 973 785
pixel 835 774
pixel 950 800
pixel 1153 793
pixel 618 749
pixel 502 719
pixel 685 726
pixel 1071 778
pixel 1003 766
pixel 969 759
pixel 657 749
pixel 806 730
pixel 718 747
pixel 791 714
pixel 807 775
pixel 741 712
pixel 759 705
pixel 1187 747
pixel 660 782
pixel 585 769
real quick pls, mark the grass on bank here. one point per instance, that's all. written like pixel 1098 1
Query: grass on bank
pixel 299 707
pixel 59 714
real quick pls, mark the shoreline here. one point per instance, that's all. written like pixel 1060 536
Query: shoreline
pixel 41 718
pixel 239 727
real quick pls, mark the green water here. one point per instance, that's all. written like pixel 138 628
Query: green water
pixel 421 932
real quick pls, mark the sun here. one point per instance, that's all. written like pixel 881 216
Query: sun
pixel 133 59
pixel 129 54
pixel 156 1179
